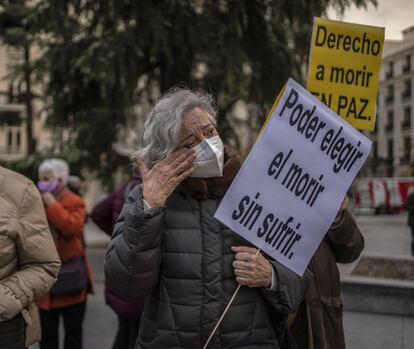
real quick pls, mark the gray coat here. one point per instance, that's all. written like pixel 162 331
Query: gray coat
pixel 179 257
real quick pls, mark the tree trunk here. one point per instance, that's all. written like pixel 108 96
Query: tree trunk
pixel 31 144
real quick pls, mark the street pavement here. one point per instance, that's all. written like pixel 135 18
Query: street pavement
pixel 384 236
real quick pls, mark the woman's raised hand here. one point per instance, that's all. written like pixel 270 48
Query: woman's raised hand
pixel 160 181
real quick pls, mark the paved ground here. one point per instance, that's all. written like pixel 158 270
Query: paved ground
pixel 385 235
pixel 373 331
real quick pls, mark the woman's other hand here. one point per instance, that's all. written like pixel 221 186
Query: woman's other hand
pixel 48 198
pixel 251 269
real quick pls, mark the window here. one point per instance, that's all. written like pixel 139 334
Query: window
pixel 407 150
pixel 390 149
pixel 407 117
pixel 407 65
pixel 18 139
pixel 390 71
pixel 10 94
pixel 390 120
pixel 9 139
pixel 13 94
pixel 390 94
pixel 14 139
pixel 407 88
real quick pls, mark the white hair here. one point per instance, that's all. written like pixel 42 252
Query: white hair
pixel 58 167
pixel 160 135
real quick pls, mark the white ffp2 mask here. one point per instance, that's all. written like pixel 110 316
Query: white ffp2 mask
pixel 209 158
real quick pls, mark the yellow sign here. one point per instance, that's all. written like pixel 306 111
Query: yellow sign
pixel 344 65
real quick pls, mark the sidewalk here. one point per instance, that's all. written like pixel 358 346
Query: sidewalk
pixel 385 236
pixel 95 237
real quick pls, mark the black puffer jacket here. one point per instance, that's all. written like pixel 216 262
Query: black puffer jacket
pixel 180 258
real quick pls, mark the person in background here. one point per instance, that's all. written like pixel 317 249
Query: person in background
pixel 318 322
pixel 65 212
pixel 409 206
pixel 29 262
pixel 168 247
pixel 104 215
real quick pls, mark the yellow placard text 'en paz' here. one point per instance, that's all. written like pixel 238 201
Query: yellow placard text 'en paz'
pixel 344 68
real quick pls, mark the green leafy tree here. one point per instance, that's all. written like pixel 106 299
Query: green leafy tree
pixel 104 56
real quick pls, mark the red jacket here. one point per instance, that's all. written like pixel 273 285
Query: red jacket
pixel 67 215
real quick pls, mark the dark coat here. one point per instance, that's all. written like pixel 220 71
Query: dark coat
pixel 106 212
pixel 180 258
pixel 104 215
pixel 320 315
pixel 409 206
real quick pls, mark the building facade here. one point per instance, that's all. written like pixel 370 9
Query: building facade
pixel 393 137
pixel 12 112
pixel 13 136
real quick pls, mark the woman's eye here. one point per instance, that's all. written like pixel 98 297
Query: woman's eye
pixel 210 132
pixel 189 145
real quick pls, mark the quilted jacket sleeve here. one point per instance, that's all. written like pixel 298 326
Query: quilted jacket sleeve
pixel 134 254
pixel 345 239
pixel 289 291
pixel 38 261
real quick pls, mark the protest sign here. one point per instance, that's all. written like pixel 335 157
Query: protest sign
pixel 289 189
pixel 344 65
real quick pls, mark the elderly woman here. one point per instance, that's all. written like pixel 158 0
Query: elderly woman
pixel 65 212
pixel 168 247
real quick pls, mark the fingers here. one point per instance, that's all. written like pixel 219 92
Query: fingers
pixel 142 167
pixel 245 253
pixel 247 274
pixel 187 173
pixel 249 268
pixel 238 264
pixel 181 156
pixel 184 165
pixel 177 157
pixel 244 281
pixel 237 249
pixel 244 269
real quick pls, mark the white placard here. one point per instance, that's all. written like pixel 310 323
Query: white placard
pixel 289 189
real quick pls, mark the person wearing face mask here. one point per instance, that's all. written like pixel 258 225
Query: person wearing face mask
pixel 167 246
pixel 65 212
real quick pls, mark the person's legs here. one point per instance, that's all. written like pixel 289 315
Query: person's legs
pixel 72 320
pixel 133 326
pixel 121 339
pixel 49 320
